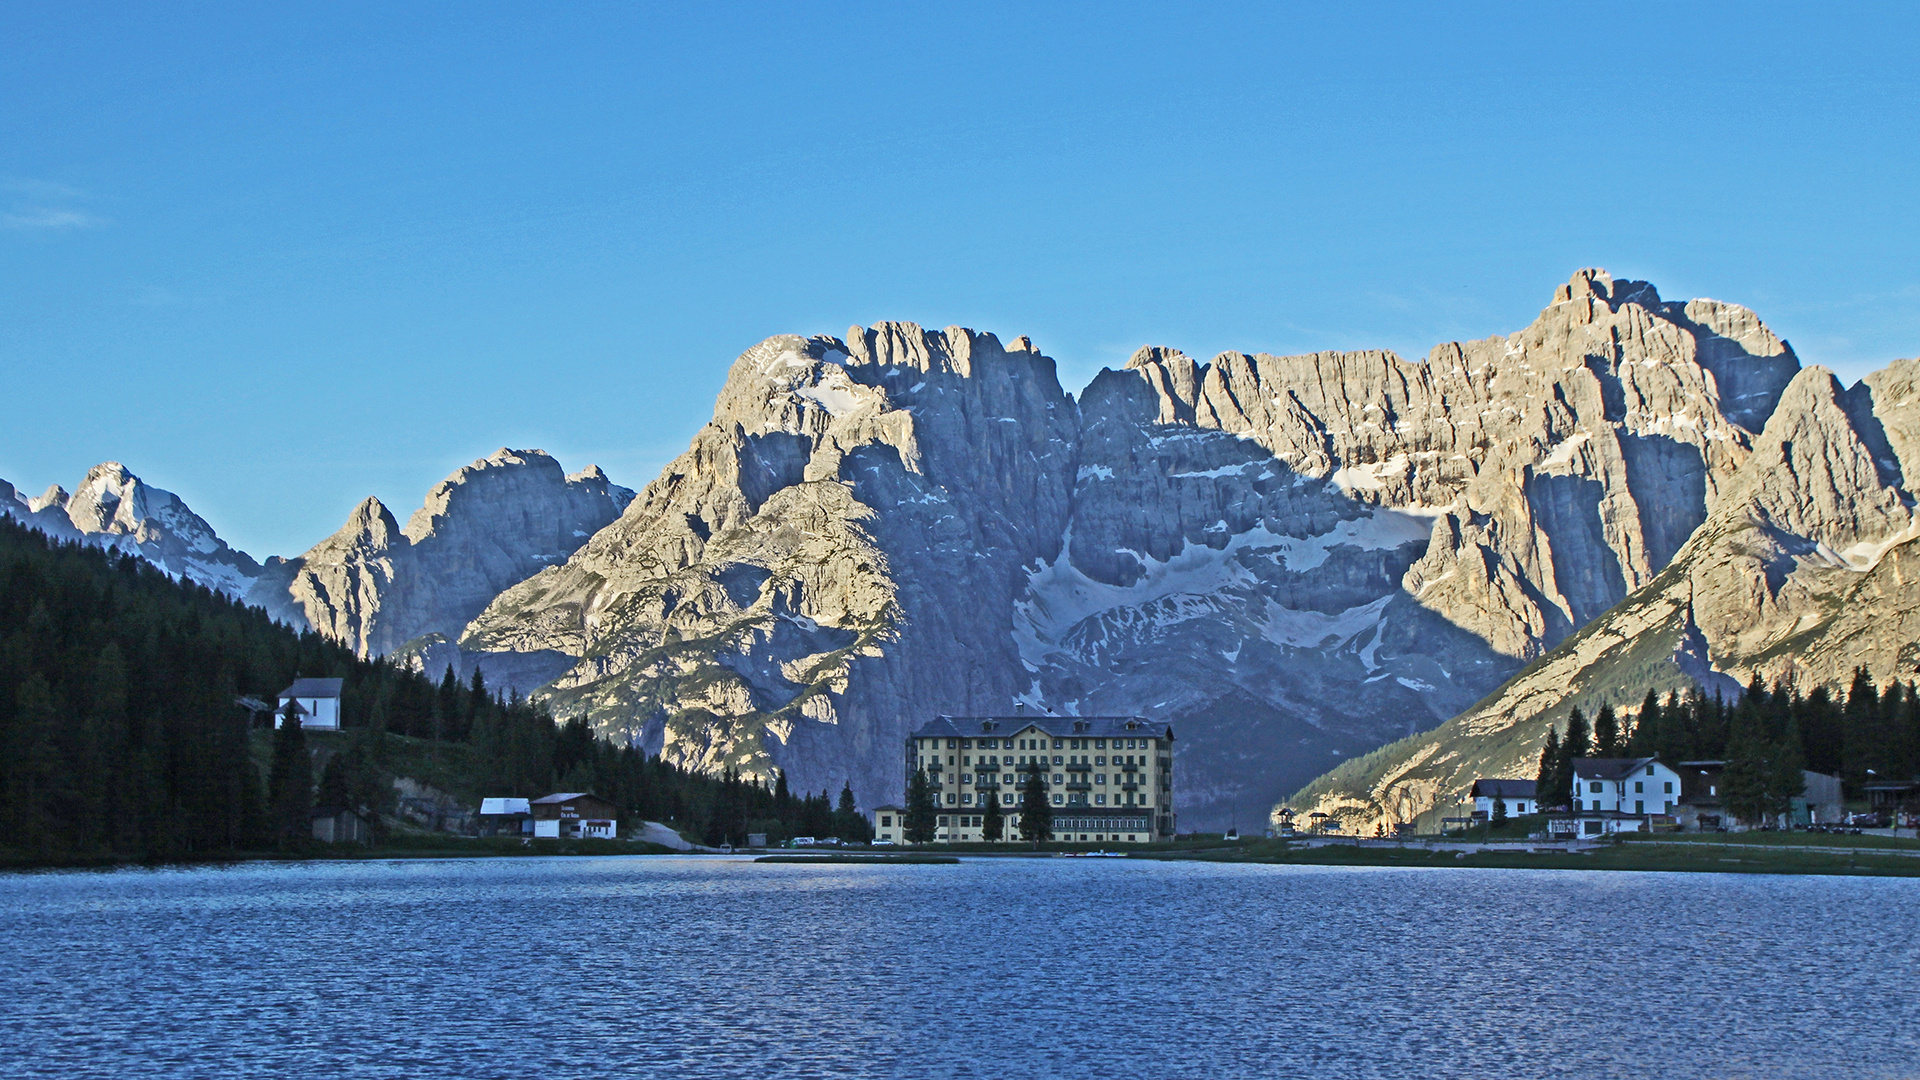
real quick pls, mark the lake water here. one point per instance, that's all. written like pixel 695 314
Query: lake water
pixel 649 966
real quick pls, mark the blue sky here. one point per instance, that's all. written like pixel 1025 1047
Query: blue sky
pixel 280 257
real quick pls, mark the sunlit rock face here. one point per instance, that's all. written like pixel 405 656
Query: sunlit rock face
pixel 838 553
pixel 379 587
pixel 1296 559
pixel 1802 571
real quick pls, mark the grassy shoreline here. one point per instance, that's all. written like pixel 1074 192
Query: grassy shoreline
pixel 1710 855
pixel 408 847
pixel 909 858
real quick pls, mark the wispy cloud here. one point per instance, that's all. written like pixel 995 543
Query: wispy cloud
pixel 42 190
pixel 46 206
pixel 50 217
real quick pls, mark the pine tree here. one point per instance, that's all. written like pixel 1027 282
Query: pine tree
pixel 1606 733
pixel 1498 815
pixel 446 706
pixel 993 823
pixel 1036 817
pixel 921 809
pixel 1762 774
pixel 1549 785
pixel 1676 728
pixel 1788 780
pixel 333 796
pixel 290 782
pixel 1577 742
pixel 477 697
pixel 1860 728
pixel 1821 737
pixel 849 823
pixel 1647 725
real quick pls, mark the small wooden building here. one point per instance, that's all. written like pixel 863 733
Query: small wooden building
pixel 574 815
pixel 339 826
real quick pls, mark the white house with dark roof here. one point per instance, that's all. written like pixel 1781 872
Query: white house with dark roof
pixel 1516 795
pixel 1108 779
pixel 1612 795
pixel 317 701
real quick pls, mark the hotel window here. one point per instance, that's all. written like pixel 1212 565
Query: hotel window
pixel 1668 786
pixel 1100 800
pixel 950 798
pixel 886 820
pixel 1057 800
pixel 1007 799
pixel 1100 744
pixel 1639 787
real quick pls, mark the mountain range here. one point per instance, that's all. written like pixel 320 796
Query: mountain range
pixel 1297 560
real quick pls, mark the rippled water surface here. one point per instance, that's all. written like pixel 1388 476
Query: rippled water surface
pixel 538 968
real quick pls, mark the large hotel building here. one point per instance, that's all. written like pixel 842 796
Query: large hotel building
pixel 1109 779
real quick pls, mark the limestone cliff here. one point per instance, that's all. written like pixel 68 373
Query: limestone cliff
pixel 1803 571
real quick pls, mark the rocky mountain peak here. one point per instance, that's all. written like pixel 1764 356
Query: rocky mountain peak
pixel 1844 472
pixel 55 496
pixel 108 499
pixel 113 508
pixel 369 526
pixel 786 583
pixel 488 525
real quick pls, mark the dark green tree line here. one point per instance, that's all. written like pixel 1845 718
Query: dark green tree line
pixel 1765 738
pixel 121 734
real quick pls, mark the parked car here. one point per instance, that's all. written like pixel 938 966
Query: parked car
pixel 803 841
pixel 883 843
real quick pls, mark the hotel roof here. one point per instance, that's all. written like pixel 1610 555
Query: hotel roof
pixel 1058 727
